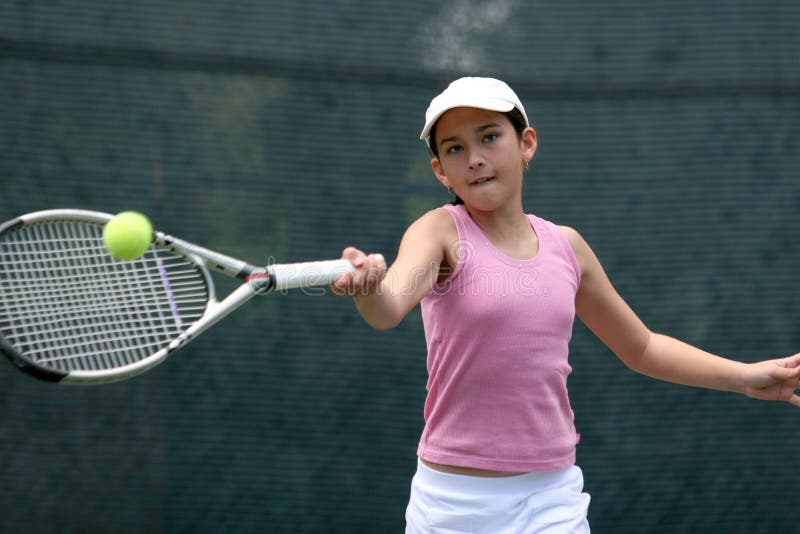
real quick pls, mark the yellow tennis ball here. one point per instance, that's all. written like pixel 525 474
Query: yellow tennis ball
pixel 127 235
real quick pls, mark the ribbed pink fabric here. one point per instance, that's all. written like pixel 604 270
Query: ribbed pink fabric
pixel 497 331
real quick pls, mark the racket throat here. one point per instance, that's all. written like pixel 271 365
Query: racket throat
pixel 215 312
pixel 260 281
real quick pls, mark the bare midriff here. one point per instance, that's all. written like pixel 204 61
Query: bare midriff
pixel 468 471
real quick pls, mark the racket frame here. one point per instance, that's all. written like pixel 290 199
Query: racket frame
pixel 255 281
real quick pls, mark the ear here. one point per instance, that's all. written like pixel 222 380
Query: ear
pixel 436 165
pixel 528 143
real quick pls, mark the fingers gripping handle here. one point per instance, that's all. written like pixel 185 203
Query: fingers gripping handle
pixel 313 273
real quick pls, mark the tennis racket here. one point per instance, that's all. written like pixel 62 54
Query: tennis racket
pixel 70 313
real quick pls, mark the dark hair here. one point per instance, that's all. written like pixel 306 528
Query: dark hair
pixel 515 117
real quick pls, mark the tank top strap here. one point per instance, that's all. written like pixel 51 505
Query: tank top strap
pixel 466 227
pixel 469 237
pixel 557 243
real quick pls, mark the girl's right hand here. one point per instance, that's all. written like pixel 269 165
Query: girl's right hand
pixel 370 270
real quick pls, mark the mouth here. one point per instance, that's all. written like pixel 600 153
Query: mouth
pixel 481 180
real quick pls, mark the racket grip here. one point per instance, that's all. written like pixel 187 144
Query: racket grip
pixel 308 274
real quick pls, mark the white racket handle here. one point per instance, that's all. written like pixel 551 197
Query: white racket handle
pixel 308 274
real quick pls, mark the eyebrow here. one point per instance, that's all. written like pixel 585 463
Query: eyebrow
pixel 479 129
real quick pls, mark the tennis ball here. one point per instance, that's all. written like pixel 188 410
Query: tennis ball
pixel 127 235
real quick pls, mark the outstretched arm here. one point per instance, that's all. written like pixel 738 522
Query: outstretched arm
pixel 384 297
pixel 607 315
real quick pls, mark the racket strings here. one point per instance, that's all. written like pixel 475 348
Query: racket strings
pixel 66 304
pixel 76 287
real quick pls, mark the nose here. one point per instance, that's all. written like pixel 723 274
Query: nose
pixel 475 160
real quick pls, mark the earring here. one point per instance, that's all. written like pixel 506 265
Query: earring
pixel 450 190
pixel 527 162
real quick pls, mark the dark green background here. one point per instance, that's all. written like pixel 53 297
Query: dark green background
pixel 275 130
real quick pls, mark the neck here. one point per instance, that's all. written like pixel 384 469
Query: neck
pixel 506 223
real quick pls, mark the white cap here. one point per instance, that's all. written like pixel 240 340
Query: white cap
pixel 482 93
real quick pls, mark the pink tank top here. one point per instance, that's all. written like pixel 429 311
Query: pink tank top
pixel 497 331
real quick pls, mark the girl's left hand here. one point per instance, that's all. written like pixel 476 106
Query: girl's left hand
pixel 774 380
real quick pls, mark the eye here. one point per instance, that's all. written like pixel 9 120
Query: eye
pixel 452 149
pixel 488 138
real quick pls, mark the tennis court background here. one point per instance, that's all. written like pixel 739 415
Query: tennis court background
pixel 668 136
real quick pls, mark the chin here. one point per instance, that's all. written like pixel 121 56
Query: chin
pixel 483 203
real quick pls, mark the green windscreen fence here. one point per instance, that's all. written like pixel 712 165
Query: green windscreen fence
pixel 285 131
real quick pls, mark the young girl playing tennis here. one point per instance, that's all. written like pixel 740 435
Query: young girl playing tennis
pixel 499 290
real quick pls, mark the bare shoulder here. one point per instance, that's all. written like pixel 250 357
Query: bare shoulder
pixel 436 225
pixel 433 237
pixel 438 217
pixel 575 239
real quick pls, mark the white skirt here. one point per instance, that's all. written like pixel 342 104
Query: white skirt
pixel 543 502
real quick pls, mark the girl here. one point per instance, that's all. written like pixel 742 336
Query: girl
pixel 499 290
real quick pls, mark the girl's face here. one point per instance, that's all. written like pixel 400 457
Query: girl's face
pixel 481 157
